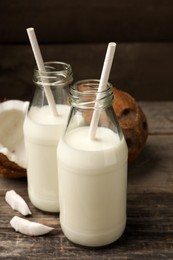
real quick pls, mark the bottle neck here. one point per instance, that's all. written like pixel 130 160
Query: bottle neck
pixel 55 74
pixel 58 78
pixel 84 95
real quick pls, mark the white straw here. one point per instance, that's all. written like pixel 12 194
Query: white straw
pixel 40 65
pixel 102 86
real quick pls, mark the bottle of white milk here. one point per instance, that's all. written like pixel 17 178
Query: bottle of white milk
pixel 42 132
pixel 92 172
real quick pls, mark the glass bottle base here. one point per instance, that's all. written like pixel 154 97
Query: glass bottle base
pixel 93 239
pixel 48 205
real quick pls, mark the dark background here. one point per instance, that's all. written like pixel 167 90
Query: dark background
pixel 77 32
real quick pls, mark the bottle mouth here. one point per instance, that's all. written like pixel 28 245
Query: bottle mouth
pixel 84 94
pixel 55 73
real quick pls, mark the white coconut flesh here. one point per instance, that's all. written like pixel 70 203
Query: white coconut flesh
pixel 12 115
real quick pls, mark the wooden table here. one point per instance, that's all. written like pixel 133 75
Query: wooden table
pixel 149 230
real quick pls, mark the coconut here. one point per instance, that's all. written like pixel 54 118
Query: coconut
pixel 12 149
pixel 132 121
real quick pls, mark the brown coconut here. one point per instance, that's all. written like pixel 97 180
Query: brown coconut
pixel 132 121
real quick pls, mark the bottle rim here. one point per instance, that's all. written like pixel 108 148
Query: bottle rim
pixel 84 94
pixel 55 73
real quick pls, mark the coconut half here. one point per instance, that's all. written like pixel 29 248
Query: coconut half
pixel 12 149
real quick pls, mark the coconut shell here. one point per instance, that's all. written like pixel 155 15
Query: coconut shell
pixel 12 162
pixel 10 169
pixel 133 122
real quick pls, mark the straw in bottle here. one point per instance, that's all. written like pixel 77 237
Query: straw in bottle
pixel 41 68
pixel 102 86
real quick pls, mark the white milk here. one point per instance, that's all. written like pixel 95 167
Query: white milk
pixel 42 132
pixel 92 182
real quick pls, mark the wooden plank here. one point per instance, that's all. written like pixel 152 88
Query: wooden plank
pixel 149 229
pixel 144 70
pixel 87 21
pixel 148 234
pixel 152 172
pixel 159 117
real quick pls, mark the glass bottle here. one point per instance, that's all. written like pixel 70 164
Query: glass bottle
pixel 42 131
pixel 92 171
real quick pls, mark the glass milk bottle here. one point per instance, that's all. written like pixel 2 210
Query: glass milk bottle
pixel 42 132
pixel 92 171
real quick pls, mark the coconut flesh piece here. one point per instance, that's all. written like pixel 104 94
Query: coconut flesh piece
pixel 12 148
pixel 16 202
pixel 29 228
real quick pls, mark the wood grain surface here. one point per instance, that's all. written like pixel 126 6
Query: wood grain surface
pixel 87 21
pixel 149 229
pixel 142 69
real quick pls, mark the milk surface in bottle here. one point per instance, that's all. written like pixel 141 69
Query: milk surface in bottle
pixel 42 132
pixel 92 172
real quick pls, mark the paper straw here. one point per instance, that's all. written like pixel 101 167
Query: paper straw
pixel 102 86
pixel 41 68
